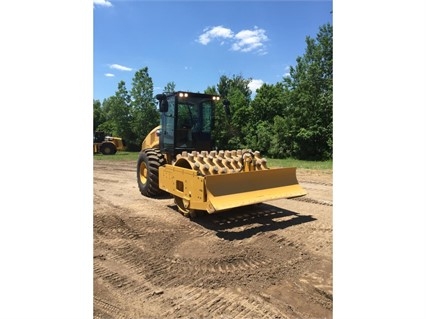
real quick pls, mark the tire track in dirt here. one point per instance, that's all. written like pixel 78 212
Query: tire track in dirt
pixel 127 248
pixel 247 263
pixel 106 310
pixel 183 273
pixel 128 279
pixel 123 279
pixel 125 222
pixel 312 201
pixel 307 182
pixel 220 303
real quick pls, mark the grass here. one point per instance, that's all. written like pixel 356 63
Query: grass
pixel 272 162
pixel 289 162
pixel 119 156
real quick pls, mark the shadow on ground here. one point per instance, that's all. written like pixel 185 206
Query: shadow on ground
pixel 247 221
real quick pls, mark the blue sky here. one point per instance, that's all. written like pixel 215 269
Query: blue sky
pixel 193 43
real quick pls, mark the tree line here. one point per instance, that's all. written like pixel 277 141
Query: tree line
pixel 291 118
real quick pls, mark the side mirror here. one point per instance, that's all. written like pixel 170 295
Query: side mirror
pixel 164 105
pixel 162 101
pixel 160 97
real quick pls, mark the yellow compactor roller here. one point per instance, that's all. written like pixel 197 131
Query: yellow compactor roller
pixel 178 157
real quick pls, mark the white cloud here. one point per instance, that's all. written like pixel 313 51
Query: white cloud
pixel 249 40
pixel 110 75
pixel 215 32
pixel 103 3
pixel 243 41
pixel 287 71
pixel 120 67
pixel 255 84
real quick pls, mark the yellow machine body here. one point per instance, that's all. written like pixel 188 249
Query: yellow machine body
pixel 214 193
pixel 178 157
pixel 152 140
pixel 107 145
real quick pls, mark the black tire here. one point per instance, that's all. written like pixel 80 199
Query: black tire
pixel 149 161
pixel 108 148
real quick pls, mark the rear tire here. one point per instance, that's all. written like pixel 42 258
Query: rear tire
pixel 108 148
pixel 149 161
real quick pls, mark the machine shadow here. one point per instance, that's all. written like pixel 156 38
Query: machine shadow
pixel 247 221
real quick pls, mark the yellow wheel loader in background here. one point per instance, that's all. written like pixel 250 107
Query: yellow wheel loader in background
pixel 177 157
pixel 107 145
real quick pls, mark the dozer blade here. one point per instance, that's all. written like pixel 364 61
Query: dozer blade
pixel 227 191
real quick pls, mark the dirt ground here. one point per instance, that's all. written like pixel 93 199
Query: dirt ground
pixel 270 260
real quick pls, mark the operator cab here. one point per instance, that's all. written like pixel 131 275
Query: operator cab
pixel 99 137
pixel 186 122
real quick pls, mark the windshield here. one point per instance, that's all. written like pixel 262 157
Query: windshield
pixel 195 114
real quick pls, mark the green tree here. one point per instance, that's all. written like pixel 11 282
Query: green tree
pixel 117 114
pixel 107 124
pixel 170 87
pixel 237 82
pixel 268 103
pixel 282 141
pixel 98 114
pixel 145 115
pixel 211 90
pixel 121 112
pixel 309 88
pixel 241 112
pixel 238 93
